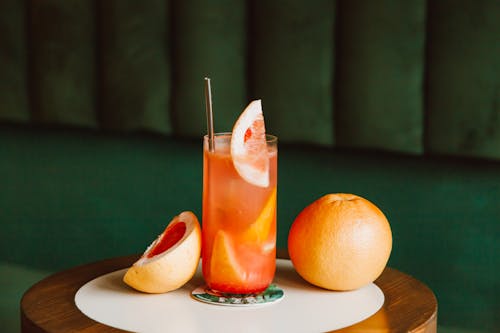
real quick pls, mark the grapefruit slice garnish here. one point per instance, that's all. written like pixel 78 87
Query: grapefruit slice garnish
pixel 171 260
pixel 224 267
pixel 249 147
pixel 259 230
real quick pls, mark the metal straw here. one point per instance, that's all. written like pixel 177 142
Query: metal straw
pixel 210 118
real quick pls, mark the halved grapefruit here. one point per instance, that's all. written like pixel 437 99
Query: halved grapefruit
pixel 171 260
pixel 248 146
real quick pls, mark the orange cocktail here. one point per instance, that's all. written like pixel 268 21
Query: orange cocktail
pixel 239 220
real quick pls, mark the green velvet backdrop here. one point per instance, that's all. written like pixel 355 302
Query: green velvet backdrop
pixel 410 76
pixel 413 77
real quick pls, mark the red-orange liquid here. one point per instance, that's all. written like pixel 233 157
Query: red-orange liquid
pixel 238 225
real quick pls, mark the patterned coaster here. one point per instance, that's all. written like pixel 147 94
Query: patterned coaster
pixel 272 294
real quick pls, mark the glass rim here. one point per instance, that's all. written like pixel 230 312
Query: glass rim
pixel 270 138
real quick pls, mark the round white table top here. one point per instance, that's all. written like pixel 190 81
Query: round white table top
pixel 304 308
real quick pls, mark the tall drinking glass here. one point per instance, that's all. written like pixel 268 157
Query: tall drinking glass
pixel 238 223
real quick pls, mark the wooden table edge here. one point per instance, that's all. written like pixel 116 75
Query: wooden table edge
pixel 420 306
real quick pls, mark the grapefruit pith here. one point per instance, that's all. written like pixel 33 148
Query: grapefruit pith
pixel 171 260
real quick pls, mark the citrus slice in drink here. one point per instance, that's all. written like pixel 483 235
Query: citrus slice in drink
pixel 171 260
pixel 249 147
pixel 258 231
pixel 224 267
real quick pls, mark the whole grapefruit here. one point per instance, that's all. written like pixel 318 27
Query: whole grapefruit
pixel 340 242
